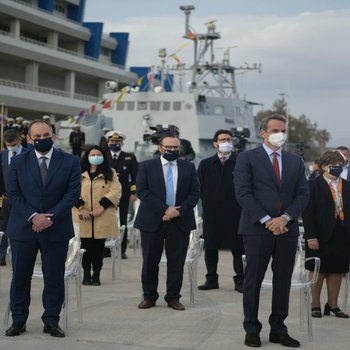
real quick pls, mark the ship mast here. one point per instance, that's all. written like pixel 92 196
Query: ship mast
pixel 210 77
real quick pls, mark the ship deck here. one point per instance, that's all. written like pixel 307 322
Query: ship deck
pixel 111 319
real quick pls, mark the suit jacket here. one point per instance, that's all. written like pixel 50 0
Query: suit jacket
pixel 259 193
pixel 151 191
pixel 221 212
pixel 57 196
pixel 126 167
pixel 4 155
pixel 318 217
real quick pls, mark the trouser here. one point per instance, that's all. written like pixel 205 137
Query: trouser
pixel 6 210
pixel 53 257
pixel 259 249
pixel 211 258
pixel 175 242
pixel 93 257
pixel 123 218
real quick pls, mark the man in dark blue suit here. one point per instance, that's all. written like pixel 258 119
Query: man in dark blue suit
pixel 272 190
pixel 12 140
pixel 42 187
pixel 168 190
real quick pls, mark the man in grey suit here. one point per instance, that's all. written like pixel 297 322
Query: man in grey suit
pixel 272 190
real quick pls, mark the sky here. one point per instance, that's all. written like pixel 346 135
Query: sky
pixel 303 47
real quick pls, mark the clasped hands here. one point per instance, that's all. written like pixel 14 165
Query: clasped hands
pixel 277 226
pixel 41 222
pixel 87 215
pixel 171 213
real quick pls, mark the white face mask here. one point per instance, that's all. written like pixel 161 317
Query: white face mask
pixel 278 139
pixel 226 147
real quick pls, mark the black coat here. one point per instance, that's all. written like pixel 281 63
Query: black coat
pixel 126 167
pixel 221 212
pixel 318 216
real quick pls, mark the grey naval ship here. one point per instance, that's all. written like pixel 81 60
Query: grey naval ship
pixel 196 101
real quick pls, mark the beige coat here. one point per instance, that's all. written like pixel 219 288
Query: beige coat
pixel 106 225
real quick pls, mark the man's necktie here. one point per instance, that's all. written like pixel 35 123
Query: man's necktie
pixel 222 160
pixel 276 167
pixel 14 154
pixel 43 168
pixel 170 196
pixel 114 156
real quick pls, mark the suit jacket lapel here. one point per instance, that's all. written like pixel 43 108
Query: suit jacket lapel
pixel 34 168
pixel 265 160
pixel 180 176
pixel 160 175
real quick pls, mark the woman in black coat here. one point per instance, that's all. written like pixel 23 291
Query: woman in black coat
pixel 327 231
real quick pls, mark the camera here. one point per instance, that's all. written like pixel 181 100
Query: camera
pixel 161 130
pixel 240 136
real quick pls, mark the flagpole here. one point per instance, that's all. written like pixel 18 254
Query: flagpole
pixel 2 126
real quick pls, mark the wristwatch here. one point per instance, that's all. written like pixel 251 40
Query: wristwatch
pixel 287 217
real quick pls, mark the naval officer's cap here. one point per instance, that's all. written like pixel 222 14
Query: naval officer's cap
pixel 115 135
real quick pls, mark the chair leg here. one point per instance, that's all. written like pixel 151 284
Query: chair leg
pixel 302 308
pixel 65 305
pixel 308 311
pixel 119 257
pixel 79 296
pixel 346 291
pixel 7 315
pixel 114 258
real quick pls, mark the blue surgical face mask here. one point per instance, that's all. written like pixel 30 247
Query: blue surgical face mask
pixel 115 147
pixel 13 148
pixel 43 145
pixel 96 160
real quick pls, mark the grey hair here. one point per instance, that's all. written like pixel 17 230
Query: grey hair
pixel 265 121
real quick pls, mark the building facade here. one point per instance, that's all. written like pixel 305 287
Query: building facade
pixel 51 62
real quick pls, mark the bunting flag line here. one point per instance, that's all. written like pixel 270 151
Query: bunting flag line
pixel 122 93
pixel 82 113
pixel 182 46
pixel 175 57
pixel 92 109
pixel 107 104
pixel 191 36
pixel 139 81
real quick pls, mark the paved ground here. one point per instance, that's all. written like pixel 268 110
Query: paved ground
pixel 112 320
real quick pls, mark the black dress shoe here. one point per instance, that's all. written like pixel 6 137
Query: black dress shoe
pixel 176 305
pixel 337 312
pixel 16 329
pixel 3 262
pixel 253 340
pixel 54 330
pixel 124 256
pixel 284 339
pixel 146 304
pixel 207 286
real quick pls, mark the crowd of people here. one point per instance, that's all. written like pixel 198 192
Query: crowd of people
pixel 251 205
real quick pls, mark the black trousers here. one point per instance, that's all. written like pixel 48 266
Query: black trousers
pixel 211 258
pixel 123 218
pixel 259 250
pixel 6 210
pixel 175 242
pixel 93 257
pixel 53 257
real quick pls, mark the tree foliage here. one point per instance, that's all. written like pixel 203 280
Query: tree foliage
pixel 304 136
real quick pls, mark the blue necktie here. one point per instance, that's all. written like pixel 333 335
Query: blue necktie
pixel 170 197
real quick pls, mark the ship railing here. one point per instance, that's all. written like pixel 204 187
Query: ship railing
pixel 45 90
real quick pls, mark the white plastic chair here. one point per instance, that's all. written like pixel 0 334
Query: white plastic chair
pixel 72 271
pixel 194 250
pixel 1 234
pixel 114 244
pixel 346 291
pixel 301 281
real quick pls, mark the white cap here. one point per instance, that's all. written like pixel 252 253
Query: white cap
pixel 115 135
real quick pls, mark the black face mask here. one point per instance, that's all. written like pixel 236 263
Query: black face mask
pixel 43 145
pixel 115 147
pixel 171 155
pixel 335 170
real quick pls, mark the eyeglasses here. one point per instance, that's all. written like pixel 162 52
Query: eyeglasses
pixel 171 148
pixel 225 140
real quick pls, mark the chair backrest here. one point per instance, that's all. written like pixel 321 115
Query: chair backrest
pixel 110 242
